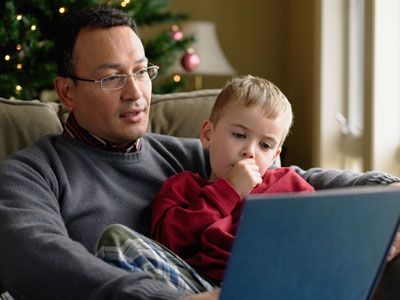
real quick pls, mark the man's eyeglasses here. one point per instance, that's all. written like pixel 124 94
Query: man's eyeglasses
pixel 118 81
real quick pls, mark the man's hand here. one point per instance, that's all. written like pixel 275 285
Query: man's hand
pixel 395 184
pixel 214 295
pixel 244 176
pixel 395 248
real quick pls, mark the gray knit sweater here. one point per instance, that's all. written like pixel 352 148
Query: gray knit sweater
pixel 57 196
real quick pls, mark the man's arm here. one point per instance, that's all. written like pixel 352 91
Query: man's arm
pixel 38 260
pixel 327 179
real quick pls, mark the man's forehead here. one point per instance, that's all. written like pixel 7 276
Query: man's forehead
pixel 107 47
pixel 101 35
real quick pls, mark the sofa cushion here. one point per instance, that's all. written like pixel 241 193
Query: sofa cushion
pixel 23 122
pixel 181 114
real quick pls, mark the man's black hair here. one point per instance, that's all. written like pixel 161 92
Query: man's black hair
pixel 102 16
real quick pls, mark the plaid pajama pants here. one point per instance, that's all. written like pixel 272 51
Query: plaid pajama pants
pixel 129 250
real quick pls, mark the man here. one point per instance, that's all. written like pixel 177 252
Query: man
pixel 57 196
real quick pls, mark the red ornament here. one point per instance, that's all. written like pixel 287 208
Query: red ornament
pixel 190 60
pixel 176 34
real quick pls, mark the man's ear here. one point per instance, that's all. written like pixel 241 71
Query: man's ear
pixel 205 133
pixel 64 87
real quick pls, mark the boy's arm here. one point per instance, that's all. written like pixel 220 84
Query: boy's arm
pixel 183 209
pixel 184 212
pixel 327 179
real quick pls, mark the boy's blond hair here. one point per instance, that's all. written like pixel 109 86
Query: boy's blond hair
pixel 249 91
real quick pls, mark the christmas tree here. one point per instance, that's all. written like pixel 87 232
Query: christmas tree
pixel 27 29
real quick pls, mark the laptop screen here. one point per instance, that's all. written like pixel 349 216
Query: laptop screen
pixel 324 245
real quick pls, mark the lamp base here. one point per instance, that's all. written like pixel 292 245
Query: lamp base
pixel 198 82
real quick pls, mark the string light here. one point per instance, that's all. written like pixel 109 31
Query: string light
pixel 177 78
pixel 19 66
pixel 18 88
pixel 33 27
pixel 18 47
pixel 19 17
pixel 62 10
pixel 124 3
pixel 7 57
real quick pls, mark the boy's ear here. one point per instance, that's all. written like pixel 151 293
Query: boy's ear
pixel 278 151
pixel 205 133
pixel 64 88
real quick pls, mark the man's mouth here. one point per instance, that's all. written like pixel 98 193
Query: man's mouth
pixel 133 111
pixel 132 116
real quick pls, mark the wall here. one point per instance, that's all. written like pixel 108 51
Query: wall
pixel 302 73
pixel 271 39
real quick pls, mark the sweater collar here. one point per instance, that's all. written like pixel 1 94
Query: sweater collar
pixel 74 130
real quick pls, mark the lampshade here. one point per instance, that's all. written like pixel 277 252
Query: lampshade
pixel 207 47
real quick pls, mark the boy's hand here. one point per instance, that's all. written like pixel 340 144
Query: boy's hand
pixel 244 176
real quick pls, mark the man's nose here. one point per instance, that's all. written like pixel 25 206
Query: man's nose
pixel 132 89
pixel 248 151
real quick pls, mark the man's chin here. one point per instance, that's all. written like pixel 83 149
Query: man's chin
pixel 137 133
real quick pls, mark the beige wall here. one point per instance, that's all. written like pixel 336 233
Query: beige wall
pixel 271 39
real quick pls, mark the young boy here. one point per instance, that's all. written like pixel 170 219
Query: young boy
pixel 196 217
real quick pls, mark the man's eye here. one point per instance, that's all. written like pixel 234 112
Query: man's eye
pixel 265 146
pixel 239 135
pixel 142 72
pixel 111 78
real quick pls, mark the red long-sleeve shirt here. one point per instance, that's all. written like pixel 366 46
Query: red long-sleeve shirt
pixel 197 219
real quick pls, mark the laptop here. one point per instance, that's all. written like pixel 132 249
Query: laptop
pixel 328 245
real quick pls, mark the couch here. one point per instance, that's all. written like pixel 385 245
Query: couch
pixel 23 122
pixel 178 114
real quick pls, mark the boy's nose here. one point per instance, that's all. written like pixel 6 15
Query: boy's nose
pixel 248 152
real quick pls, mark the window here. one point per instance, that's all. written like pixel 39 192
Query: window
pixel 383 133
pixel 359 84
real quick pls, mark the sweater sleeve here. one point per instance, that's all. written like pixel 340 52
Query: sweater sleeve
pixel 38 258
pixel 188 216
pixel 328 179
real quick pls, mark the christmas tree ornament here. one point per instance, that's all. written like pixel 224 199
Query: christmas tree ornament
pixel 190 60
pixel 176 34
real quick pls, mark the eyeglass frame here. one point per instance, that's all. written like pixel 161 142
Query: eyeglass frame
pixel 134 75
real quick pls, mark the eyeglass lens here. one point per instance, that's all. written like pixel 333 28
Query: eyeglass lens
pixel 119 81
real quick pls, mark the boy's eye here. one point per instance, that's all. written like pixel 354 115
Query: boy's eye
pixel 265 146
pixel 239 135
